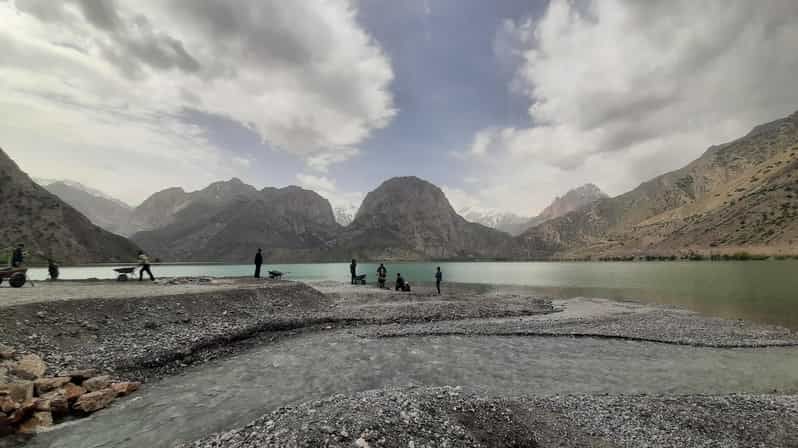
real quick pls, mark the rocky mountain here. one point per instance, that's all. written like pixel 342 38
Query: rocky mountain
pixel 572 200
pixel 163 207
pixel 48 226
pixel 112 215
pixel 408 218
pixel 229 220
pixel 496 219
pixel 79 186
pixel 741 195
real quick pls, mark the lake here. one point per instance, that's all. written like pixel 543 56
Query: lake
pixel 762 291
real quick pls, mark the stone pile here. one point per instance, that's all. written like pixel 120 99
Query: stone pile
pixel 31 401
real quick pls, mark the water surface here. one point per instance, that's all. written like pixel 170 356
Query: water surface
pixel 763 291
pixel 231 392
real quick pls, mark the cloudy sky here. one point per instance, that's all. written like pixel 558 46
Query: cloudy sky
pixel 505 104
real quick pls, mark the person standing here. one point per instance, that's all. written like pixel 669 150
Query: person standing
pixel 18 256
pixel 438 279
pixel 144 262
pixel 382 275
pixel 258 262
pixel 353 270
pixel 52 269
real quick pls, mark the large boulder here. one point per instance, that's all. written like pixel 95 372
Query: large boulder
pixel 38 421
pixel 59 405
pixel 97 383
pixel 44 385
pixel 125 388
pixel 29 367
pixel 8 405
pixel 19 391
pixel 94 401
pixel 79 376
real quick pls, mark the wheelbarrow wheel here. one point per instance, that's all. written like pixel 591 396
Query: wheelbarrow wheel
pixel 121 278
pixel 17 280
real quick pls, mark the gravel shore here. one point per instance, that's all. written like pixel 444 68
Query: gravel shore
pixel 149 336
pixel 448 417
pixel 161 329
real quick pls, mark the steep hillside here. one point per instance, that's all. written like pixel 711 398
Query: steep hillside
pixel 49 227
pixel 409 218
pixel 740 194
pixel 230 220
pixel 573 200
pixel 111 215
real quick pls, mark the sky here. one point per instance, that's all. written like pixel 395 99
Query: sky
pixel 503 104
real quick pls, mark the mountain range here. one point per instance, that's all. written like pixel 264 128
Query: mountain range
pixel 741 195
pixel 738 195
pixel 49 227
pixel 515 225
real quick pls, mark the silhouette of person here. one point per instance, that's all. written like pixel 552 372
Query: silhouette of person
pixel 382 275
pixel 400 282
pixel 258 262
pixel 18 256
pixel 438 279
pixel 144 262
pixel 353 270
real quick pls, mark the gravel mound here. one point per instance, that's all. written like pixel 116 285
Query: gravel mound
pixel 448 417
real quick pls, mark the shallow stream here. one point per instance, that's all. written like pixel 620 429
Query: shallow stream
pixel 231 392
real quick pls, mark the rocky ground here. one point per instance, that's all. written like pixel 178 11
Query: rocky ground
pixel 448 417
pixel 178 323
pixel 144 337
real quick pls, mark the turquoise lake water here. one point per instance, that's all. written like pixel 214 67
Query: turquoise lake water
pixel 764 291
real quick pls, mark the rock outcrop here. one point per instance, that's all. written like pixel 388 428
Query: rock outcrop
pixel 409 218
pixel 48 226
pixel 573 200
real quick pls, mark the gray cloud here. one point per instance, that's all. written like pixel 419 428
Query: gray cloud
pixel 131 42
pixel 101 13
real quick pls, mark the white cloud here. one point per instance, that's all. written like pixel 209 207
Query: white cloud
pixel 348 201
pixel 96 84
pixel 621 91
pixel 319 183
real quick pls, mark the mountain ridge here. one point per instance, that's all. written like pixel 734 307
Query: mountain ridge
pixel 48 226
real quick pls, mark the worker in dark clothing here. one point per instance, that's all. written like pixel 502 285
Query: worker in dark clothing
pixel 400 282
pixel 382 275
pixel 353 270
pixel 144 262
pixel 18 257
pixel 258 262
pixel 438 279
pixel 52 269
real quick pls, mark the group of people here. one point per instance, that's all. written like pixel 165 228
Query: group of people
pixel 400 285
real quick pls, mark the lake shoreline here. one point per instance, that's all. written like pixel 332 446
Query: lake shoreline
pixel 168 328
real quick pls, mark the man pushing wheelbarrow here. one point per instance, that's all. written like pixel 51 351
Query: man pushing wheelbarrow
pixel 144 266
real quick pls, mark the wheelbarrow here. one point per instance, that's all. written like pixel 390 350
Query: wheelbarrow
pixel 17 277
pixel 276 275
pixel 124 272
pixel 360 279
